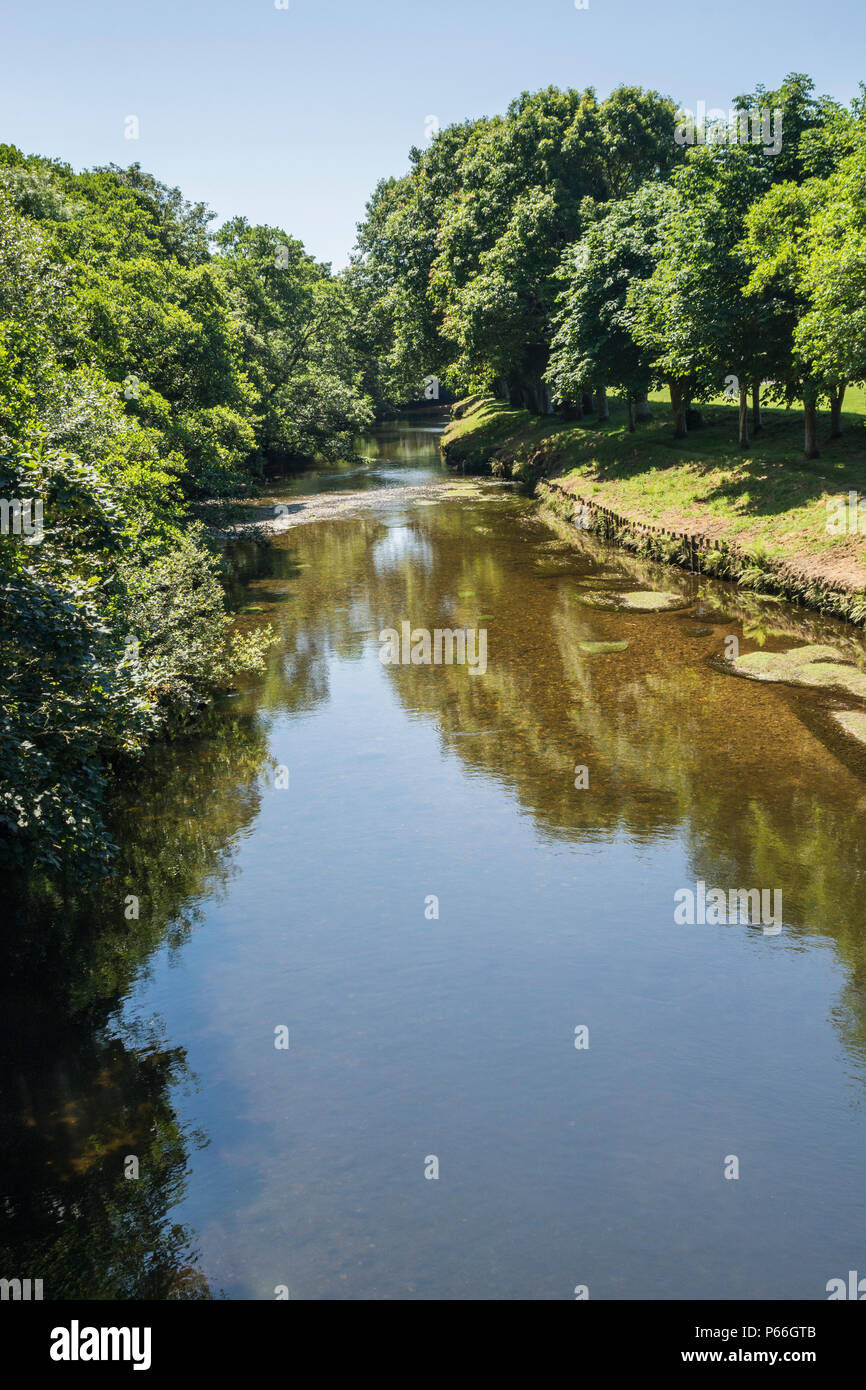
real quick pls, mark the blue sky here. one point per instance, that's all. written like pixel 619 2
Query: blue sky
pixel 291 116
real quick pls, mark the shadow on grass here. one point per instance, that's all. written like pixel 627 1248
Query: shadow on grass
pixel 769 478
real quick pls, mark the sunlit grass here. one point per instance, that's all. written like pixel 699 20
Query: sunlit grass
pixel 766 495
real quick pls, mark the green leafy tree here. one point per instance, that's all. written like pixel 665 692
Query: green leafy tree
pixel 809 125
pixel 594 341
pixel 831 332
pixel 775 246
pixel 690 315
pixel 466 247
pixel 295 318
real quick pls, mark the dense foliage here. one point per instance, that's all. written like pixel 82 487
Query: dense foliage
pixel 575 245
pixel 141 366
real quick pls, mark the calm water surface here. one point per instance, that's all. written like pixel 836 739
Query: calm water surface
pixel 410 1037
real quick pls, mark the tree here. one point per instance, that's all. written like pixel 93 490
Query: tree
pixel 775 246
pixel 113 622
pixel 831 332
pixel 466 247
pixel 296 349
pixel 690 316
pixel 594 342
pixel 804 119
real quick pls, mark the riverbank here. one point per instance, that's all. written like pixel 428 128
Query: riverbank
pixel 759 517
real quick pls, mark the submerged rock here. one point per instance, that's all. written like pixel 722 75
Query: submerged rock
pixel 815 666
pixel 595 647
pixel 637 601
pixel 654 601
pixel 853 722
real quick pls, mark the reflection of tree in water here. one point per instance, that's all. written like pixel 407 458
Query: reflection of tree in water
pixel 80 1092
pixel 73 1218
pixel 673 746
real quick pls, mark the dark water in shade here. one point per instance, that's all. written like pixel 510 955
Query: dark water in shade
pixel 412 1037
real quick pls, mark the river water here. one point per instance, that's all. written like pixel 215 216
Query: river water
pixel 474 961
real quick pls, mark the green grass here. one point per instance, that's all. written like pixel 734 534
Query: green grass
pixel 768 499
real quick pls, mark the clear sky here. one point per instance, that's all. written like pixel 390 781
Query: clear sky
pixel 290 116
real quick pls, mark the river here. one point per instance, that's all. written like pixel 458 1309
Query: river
pixel 405 1012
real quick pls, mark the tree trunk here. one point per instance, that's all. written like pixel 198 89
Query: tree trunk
pixel 836 399
pixel 586 403
pixel 744 417
pixel 601 406
pixel 530 393
pixel 630 414
pixel 643 409
pixel 678 405
pixel 810 413
pixel 756 406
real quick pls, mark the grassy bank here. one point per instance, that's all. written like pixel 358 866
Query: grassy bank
pixel 757 516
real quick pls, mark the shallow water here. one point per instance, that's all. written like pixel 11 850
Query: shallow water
pixel 413 1036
